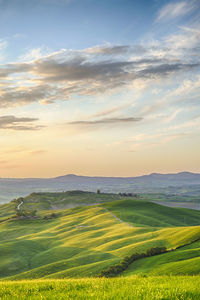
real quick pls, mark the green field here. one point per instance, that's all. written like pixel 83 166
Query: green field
pixel 82 241
pixel 67 199
pixel 182 261
pixel 150 288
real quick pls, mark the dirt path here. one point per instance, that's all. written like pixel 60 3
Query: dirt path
pixel 118 218
pixel 18 206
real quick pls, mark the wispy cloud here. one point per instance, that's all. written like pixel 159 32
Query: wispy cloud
pixel 18 123
pixel 111 110
pixel 3 46
pixel 38 152
pixel 33 54
pixel 175 10
pixel 108 49
pixel 106 121
pixel 103 123
pixel 146 141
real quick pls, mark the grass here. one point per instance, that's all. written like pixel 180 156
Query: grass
pixel 82 241
pixel 6 211
pixel 143 213
pixel 69 199
pixel 134 287
pixel 185 260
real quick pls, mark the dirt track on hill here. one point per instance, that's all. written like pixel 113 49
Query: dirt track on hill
pixel 118 218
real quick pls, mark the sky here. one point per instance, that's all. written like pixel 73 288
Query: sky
pixel 99 88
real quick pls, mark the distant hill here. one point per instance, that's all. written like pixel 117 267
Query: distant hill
pixel 173 178
pixel 154 175
pixel 184 183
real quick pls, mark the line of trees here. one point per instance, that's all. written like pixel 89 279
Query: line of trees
pixel 115 270
pixel 129 195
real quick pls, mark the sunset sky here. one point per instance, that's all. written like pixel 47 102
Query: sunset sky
pixel 108 88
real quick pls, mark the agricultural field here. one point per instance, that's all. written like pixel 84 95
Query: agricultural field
pixel 84 240
pixel 72 246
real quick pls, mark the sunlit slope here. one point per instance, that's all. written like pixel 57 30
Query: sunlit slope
pixel 143 213
pixel 85 240
pixel 185 260
pixel 7 211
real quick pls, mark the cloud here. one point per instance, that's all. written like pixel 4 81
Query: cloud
pixel 166 69
pixel 14 68
pixel 175 10
pixel 19 36
pixel 24 95
pixel 38 152
pixel 80 69
pixel 108 49
pixel 33 54
pixel 106 121
pixel 146 141
pixel 154 107
pixel 187 88
pixel 3 46
pixel 16 123
pixel 60 75
pixel 193 123
pixel 111 110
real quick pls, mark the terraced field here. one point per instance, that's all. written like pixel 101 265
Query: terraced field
pixel 82 241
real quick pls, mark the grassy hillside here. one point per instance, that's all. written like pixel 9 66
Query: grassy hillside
pixel 67 199
pixel 7 210
pixel 82 241
pixel 143 213
pixel 151 288
pixel 185 260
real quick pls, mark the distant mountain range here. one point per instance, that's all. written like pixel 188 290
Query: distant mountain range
pixel 186 183
pixel 182 176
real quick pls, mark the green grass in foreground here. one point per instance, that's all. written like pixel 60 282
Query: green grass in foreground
pixel 146 288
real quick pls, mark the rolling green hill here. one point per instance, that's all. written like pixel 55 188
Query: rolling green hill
pixel 143 213
pixel 185 260
pixel 82 241
pixel 69 199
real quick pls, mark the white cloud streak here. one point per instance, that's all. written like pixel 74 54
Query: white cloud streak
pixel 175 10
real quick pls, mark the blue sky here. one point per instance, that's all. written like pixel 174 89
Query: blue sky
pixel 55 24
pixel 99 87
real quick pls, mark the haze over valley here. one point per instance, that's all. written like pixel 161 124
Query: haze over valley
pixel 183 184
